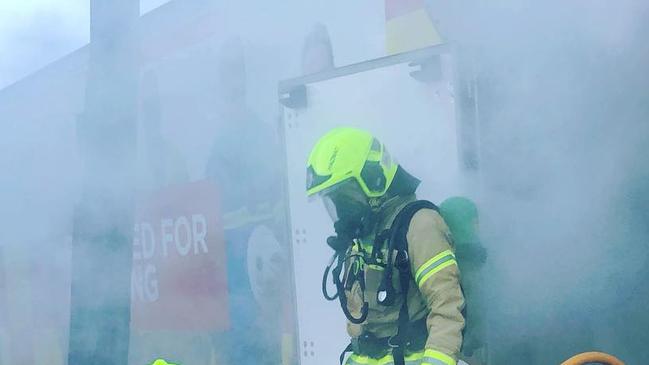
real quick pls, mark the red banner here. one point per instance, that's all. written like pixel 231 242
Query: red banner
pixel 179 266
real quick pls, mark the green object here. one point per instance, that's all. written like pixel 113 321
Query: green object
pixel 348 153
pixel 461 216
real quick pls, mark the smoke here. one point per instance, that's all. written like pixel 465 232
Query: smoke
pixel 35 33
pixel 564 167
pixel 563 122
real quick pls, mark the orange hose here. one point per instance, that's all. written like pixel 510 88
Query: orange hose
pixel 593 357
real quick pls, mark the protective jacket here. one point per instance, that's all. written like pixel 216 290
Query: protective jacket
pixel 435 300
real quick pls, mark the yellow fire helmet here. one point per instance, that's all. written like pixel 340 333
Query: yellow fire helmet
pixel 345 154
pixel 162 362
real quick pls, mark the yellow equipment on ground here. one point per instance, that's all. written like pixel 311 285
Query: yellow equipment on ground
pixel 593 357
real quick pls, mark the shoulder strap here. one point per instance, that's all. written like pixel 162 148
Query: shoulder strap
pixel 401 223
pixel 399 243
pixel 398 232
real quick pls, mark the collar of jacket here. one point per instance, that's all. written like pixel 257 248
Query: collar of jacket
pixel 387 214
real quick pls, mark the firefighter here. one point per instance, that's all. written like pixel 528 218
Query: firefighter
pixel 394 267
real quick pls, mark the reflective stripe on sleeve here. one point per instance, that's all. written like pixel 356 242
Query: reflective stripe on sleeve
pixel 438 262
pixel 433 357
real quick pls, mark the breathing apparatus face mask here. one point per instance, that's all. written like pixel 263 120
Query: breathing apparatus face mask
pixel 348 208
